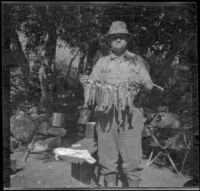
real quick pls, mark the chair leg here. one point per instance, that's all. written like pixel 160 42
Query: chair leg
pixel 150 162
pixel 184 161
pixel 186 153
pixel 172 163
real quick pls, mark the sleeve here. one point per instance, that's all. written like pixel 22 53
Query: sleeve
pixel 144 75
pixel 95 74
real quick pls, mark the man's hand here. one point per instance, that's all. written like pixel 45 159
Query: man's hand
pixel 84 79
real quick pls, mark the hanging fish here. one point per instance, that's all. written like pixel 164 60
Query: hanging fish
pixel 120 93
pixel 106 97
pixel 97 95
pixel 102 95
pixel 124 93
pixel 86 95
pixel 130 96
pixel 93 94
pixel 110 99
pixel 115 97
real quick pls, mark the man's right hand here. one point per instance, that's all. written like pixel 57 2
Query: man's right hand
pixel 84 79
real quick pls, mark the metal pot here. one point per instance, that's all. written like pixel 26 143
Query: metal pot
pixel 58 119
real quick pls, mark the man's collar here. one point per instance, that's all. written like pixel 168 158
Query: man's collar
pixel 126 55
pixel 114 56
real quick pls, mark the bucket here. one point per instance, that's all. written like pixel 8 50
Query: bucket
pixel 90 130
pixel 58 119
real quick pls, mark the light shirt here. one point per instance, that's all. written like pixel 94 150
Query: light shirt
pixel 114 69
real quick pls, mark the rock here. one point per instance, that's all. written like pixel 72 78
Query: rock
pixel 13 165
pixel 53 142
pixel 40 118
pixel 50 120
pixel 22 127
pixel 43 128
pixel 43 117
pixel 40 137
pixel 15 160
pixel 39 146
pixel 13 144
pixel 163 108
pixel 47 144
pixel 56 131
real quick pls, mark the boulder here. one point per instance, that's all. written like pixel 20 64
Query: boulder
pixel 13 165
pixel 13 144
pixel 53 142
pixel 40 137
pixel 16 160
pixel 47 144
pixel 43 128
pixel 40 118
pixel 50 120
pixel 39 146
pixel 22 127
pixel 56 131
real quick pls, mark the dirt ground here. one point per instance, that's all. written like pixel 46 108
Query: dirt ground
pixel 42 171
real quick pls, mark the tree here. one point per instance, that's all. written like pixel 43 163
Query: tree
pixel 161 33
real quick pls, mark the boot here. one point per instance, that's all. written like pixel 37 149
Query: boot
pixel 111 180
pixel 133 183
pixel 101 181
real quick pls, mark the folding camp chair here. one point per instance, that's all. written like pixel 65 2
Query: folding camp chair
pixel 165 144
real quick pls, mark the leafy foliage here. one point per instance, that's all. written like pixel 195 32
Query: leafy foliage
pixel 164 35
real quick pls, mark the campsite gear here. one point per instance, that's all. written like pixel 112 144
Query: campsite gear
pixel 90 130
pixel 74 153
pixel 58 119
pixel 167 119
pixel 166 138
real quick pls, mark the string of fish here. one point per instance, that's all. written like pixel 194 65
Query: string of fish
pixel 105 95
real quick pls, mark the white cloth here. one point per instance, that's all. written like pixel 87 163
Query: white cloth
pixel 74 153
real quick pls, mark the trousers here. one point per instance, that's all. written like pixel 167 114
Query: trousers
pixel 118 141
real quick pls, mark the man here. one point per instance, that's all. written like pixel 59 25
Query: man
pixel 113 85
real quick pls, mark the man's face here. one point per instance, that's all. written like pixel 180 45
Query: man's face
pixel 118 43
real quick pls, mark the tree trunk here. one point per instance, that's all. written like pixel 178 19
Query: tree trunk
pixel 21 60
pixel 91 55
pixel 81 65
pixel 43 86
pixel 50 54
pixel 70 64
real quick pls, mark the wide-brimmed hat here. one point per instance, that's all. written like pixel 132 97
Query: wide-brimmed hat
pixel 117 28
